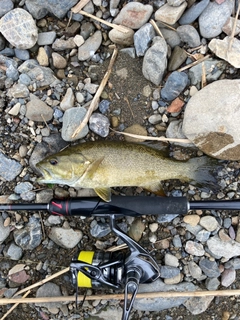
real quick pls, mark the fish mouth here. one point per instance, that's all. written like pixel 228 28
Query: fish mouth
pixel 45 174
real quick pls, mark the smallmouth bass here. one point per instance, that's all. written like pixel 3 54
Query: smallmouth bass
pixel 104 164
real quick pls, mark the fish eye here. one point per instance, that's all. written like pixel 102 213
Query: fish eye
pixel 53 162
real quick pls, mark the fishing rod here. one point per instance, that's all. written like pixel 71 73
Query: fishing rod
pixel 119 270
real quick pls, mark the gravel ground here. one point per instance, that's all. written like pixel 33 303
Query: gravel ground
pixel 41 87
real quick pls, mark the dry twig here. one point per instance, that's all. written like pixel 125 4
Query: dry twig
pixel 81 4
pixel 146 295
pixel 14 306
pixel 194 63
pixel 155 26
pixel 97 95
pixel 204 79
pixel 234 28
pixel 152 138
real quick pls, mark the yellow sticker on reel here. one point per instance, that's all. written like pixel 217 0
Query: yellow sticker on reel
pixel 82 280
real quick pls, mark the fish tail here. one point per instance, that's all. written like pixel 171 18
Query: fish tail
pixel 204 172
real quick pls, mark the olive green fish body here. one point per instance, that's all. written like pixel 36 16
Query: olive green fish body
pixel 105 164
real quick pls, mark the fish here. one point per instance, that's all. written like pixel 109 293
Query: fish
pixel 101 165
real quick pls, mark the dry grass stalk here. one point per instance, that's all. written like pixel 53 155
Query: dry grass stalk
pixel 147 295
pixel 204 79
pixel 155 26
pixel 234 28
pixel 168 26
pixel 94 102
pixel 112 25
pixel 81 4
pixel 194 63
pixel 37 284
pixel 14 306
pixel 117 248
pixel 152 138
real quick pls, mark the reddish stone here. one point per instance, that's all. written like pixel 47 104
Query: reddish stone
pixel 175 106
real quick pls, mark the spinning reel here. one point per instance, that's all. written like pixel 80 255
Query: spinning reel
pixel 116 270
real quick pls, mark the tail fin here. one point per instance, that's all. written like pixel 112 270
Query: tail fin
pixel 204 172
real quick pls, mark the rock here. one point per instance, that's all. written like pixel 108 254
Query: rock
pixel 18 90
pixel 191 219
pixel 155 119
pixel 143 38
pixel 213 18
pixel 37 110
pixel 209 223
pixel 226 249
pixel 191 14
pixel 153 227
pixel 136 229
pixel 171 37
pixel 158 304
pixel 213 68
pixel 100 230
pixel 171 260
pixel 203 235
pixel 65 238
pixel 4 231
pixel 177 58
pixel 234 263
pixel 114 7
pixel 49 289
pixel 90 46
pixel 20 35
pixel 59 61
pixel 9 168
pixel 13 252
pixel 23 187
pixel 30 236
pixel 134 15
pixel 87 28
pixel 189 35
pixel 212 283
pixel 22 54
pixel 197 305
pixel 228 277
pixel 216 136
pixel 42 57
pixel 99 124
pixel 195 270
pixel 166 217
pixel 210 268
pixel 79 40
pixel 228 27
pixel 177 241
pixel 46 38
pixel 174 280
pixel 221 49
pixel 118 37
pixel 175 3
pixel 42 76
pixel 174 85
pixel 169 14
pixel 40 8
pixel 71 120
pixel 5 7
pixel 155 61
pixel 174 130
pixel 194 248
pixel 61 44
pixel 135 129
pixel 68 100
pixel 175 106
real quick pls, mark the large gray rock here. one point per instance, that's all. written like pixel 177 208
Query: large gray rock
pixel 191 14
pixel 40 8
pixel 211 119
pixel 213 18
pixel 9 168
pixel 90 46
pixel 226 249
pixel 143 38
pixel 155 61
pixel 20 35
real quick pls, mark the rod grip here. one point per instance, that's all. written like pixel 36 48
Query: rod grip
pixel 152 205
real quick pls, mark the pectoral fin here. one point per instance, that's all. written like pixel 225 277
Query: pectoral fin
pixel 104 193
pixel 155 188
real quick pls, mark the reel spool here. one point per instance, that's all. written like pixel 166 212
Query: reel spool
pixel 115 270
pixel 96 266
